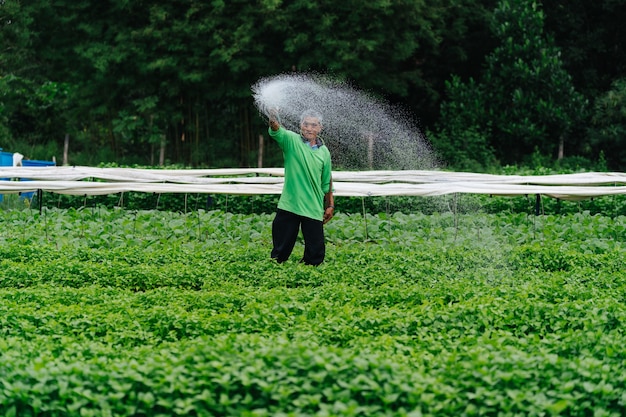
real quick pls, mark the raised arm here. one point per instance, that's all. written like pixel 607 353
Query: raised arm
pixel 274 122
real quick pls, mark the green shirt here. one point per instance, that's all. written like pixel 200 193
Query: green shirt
pixel 307 175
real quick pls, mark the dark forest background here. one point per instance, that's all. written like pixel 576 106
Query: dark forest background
pixel 167 82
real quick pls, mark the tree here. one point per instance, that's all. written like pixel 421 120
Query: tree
pixel 524 102
pixel 152 80
pixel 36 108
pixel 463 138
pixel 401 50
pixel 608 130
pixel 154 75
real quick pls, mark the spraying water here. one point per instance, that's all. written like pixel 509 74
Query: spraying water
pixel 361 131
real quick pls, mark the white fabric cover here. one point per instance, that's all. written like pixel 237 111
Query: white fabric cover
pixel 79 180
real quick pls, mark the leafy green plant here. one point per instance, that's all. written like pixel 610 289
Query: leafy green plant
pixel 185 314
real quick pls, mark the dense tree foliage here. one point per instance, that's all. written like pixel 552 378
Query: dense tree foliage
pixel 608 129
pixel 168 81
pixel 591 35
pixel 523 102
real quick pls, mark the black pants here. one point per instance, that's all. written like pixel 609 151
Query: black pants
pixel 285 228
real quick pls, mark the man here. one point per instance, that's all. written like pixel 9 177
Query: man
pixel 307 199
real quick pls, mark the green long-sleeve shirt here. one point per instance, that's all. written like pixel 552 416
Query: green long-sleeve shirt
pixel 307 175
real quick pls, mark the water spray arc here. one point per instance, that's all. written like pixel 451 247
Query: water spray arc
pixel 361 131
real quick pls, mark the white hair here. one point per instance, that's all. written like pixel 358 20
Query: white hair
pixel 311 113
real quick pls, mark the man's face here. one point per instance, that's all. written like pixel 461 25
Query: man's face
pixel 310 127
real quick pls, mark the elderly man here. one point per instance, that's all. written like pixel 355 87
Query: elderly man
pixel 307 201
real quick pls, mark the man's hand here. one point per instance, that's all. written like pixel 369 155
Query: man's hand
pixel 328 214
pixel 274 123
pixel 329 203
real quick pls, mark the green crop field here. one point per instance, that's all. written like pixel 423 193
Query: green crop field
pixel 107 312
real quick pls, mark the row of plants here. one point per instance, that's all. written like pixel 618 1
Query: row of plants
pixel 614 205
pixel 130 313
pixel 100 227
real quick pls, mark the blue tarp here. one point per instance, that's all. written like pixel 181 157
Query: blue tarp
pixel 6 160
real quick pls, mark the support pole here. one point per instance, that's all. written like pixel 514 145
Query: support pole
pixel 39 200
pixel 538 205
pixel 260 159
pixel 66 149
